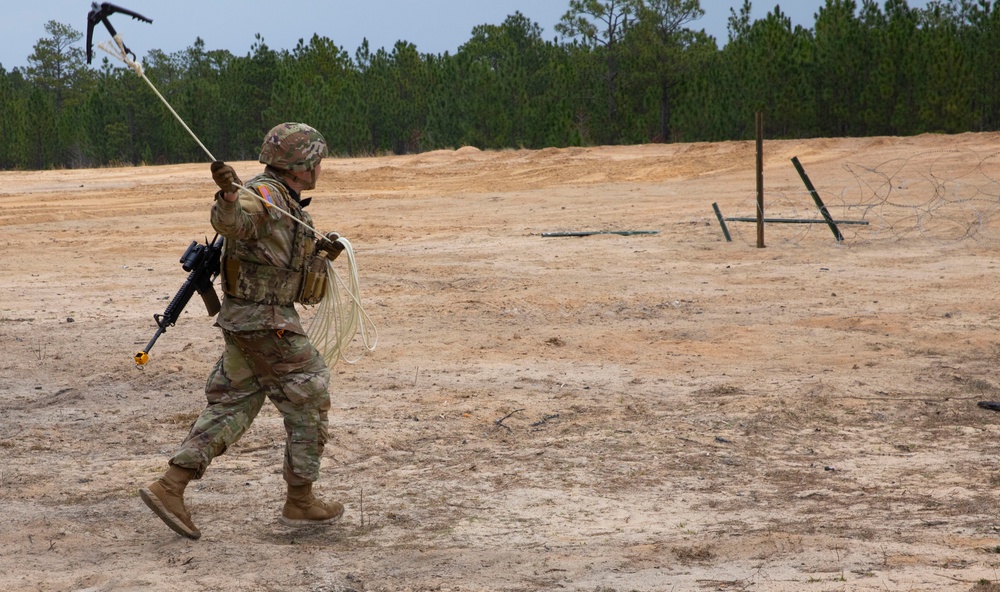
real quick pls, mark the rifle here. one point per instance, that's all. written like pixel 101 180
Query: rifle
pixel 203 263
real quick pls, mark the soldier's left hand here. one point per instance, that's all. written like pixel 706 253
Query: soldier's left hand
pixel 329 244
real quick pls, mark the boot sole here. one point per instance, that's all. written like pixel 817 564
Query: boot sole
pixel 169 519
pixel 301 523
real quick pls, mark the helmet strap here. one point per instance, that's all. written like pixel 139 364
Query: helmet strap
pixel 290 178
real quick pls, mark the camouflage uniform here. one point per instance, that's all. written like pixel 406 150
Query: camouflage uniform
pixel 269 262
pixel 267 352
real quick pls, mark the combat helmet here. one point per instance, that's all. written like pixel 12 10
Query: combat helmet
pixel 293 147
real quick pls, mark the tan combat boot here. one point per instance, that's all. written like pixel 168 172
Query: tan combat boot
pixel 166 497
pixel 303 509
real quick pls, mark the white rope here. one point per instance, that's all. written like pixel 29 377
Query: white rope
pixel 334 327
pixel 136 67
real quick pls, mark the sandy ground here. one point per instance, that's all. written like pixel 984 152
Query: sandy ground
pixel 605 413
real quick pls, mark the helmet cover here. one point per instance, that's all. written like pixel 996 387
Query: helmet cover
pixel 294 147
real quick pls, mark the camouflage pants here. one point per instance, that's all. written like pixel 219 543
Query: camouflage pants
pixel 286 369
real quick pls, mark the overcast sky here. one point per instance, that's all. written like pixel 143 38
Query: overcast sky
pixel 434 26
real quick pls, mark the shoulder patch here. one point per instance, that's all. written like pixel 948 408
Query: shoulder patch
pixel 266 194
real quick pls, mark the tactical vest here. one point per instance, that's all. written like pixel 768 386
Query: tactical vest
pixel 303 281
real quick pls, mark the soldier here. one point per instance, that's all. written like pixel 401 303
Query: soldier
pixel 269 262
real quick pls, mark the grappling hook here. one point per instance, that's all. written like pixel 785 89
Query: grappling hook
pixel 100 14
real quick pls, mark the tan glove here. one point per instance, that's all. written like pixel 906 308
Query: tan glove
pixel 329 244
pixel 225 177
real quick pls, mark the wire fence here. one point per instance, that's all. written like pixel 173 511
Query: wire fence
pixel 947 196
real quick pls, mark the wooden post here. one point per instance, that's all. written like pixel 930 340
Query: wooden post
pixel 722 223
pixel 760 179
pixel 816 198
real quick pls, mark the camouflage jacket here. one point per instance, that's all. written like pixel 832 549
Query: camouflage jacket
pixel 260 236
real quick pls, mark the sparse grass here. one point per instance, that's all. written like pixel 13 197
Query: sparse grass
pixel 983 387
pixel 693 554
pixel 183 418
pixel 724 390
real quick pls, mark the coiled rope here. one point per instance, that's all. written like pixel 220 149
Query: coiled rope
pixel 335 326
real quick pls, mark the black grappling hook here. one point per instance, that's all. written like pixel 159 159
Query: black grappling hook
pixel 100 14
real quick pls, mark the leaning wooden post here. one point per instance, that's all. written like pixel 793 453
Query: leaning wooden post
pixel 760 179
pixel 816 198
pixel 722 223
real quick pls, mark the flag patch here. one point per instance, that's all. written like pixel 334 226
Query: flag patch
pixel 262 189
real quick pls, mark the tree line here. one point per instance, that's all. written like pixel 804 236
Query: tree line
pixel 621 72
